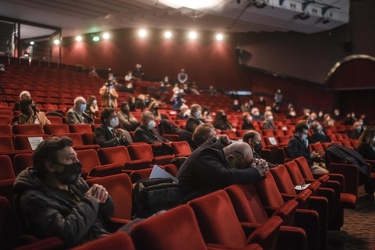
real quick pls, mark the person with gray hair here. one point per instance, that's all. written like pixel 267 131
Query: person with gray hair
pixel 216 164
pixel 24 96
pixel 77 115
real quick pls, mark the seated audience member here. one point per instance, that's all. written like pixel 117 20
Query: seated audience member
pixel 299 146
pixel 311 118
pixel 336 115
pixel 261 102
pixel 221 121
pixel 146 133
pixel 236 106
pixel 253 138
pixel 30 114
pixel 92 106
pixel 129 77
pixel 320 117
pixel 292 114
pixel 212 90
pixel 202 133
pixel 56 202
pixel 108 92
pixel 177 99
pixel 275 108
pixel 131 103
pixel 357 131
pixel 140 102
pixel 195 118
pixel 184 113
pixel 245 107
pixel 166 81
pixel 366 144
pixel 24 95
pixel 127 120
pixel 268 121
pixel 218 164
pixel 247 121
pixel 256 115
pixel 163 87
pixel 154 109
pixel 108 135
pixel 318 134
pixel 206 113
pixel 328 121
pixel 77 115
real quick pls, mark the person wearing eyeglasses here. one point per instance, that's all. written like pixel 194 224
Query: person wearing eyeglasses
pixel 216 164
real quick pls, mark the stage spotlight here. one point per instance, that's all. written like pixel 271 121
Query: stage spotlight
pixel 78 38
pixel 106 36
pixel 56 41
pixel 219 36
pixel 32 43
pixel 95 38
pixel 142 33
pixel 193 35
pixel 168 34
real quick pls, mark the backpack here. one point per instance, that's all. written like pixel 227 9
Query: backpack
pixel 152 195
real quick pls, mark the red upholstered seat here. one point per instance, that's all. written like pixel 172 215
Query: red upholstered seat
pixel 78 143
pixel 6 168
pixel 21 142
pixel 80 128
pixel 221 225
pixel 120 188
pixel 90 162
pixel 143 151
pixel 22 161
pixel 180 230
pixel 56 129
pixel 181 148
pixel 121 155
pixel 5 129
pixel 119 241
pixel 27 129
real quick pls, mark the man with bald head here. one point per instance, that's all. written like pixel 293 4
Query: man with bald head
pixel 77 115
pixel 218 164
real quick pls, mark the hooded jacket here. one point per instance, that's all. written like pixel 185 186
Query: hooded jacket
pixel 70 215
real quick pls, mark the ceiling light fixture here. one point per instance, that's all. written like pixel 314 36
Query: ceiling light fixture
pixel 193 35
pixel 106 36
pixel 32 43
pixel 56 41
pixel 78 38
pixel 96 38
pixel 219 36
pixel 168 34
pixel 142 33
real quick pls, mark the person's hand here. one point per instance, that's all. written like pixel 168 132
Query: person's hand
pixel 98 192
pixel 314 154
pixel 224 138
pixel 261 165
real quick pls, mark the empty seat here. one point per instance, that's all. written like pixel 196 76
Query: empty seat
pixel 22 161
pixel 6 119
pixel 6 168
pixel 56 129
pixel 55 119
pixel 221 225
pixel 143 151
pixel 80 128
pixel 5 129
pixel 22 142
pixel 78 143
pixel 90 162
pixel 181 148
pixel 27 129
pixel 120 189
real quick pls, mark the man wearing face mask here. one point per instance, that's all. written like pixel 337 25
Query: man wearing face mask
pixel 218 164
pixel 146 133
pixel 77 115
pixel 299 146
pixel 31 115
pixel 318 135
pixel 357 131
pixel 56 202
pixel 195 118
pixel 108 134
pixel 253 138
pixel 256 115
pixel 127 120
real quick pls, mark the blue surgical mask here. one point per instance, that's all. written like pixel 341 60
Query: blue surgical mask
pixel 304 137
pixel 83 108
pixel 151 124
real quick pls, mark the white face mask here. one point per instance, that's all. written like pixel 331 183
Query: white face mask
pixel 270 118
pixel 320 128
pixel 114 122
pixel 304 137
pixel 151 124
pixel 256 113
pixel 198 114
pixel 94 102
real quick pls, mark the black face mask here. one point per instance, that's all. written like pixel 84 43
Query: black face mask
pixel 258 147
pixel 70 174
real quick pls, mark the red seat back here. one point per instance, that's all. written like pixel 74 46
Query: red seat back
pixel 119 241
pixel 27 129
pixel 6 168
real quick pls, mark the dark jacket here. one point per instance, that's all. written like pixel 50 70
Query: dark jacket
pixel 297 148
pixel 142 134
pixel 70 215
pixel 205 171
pixel 192 123
pixel 106 139
pixel 366 151
pixel 318 137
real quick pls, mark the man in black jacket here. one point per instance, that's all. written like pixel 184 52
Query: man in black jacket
pixel 108 135
pixel 218 164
